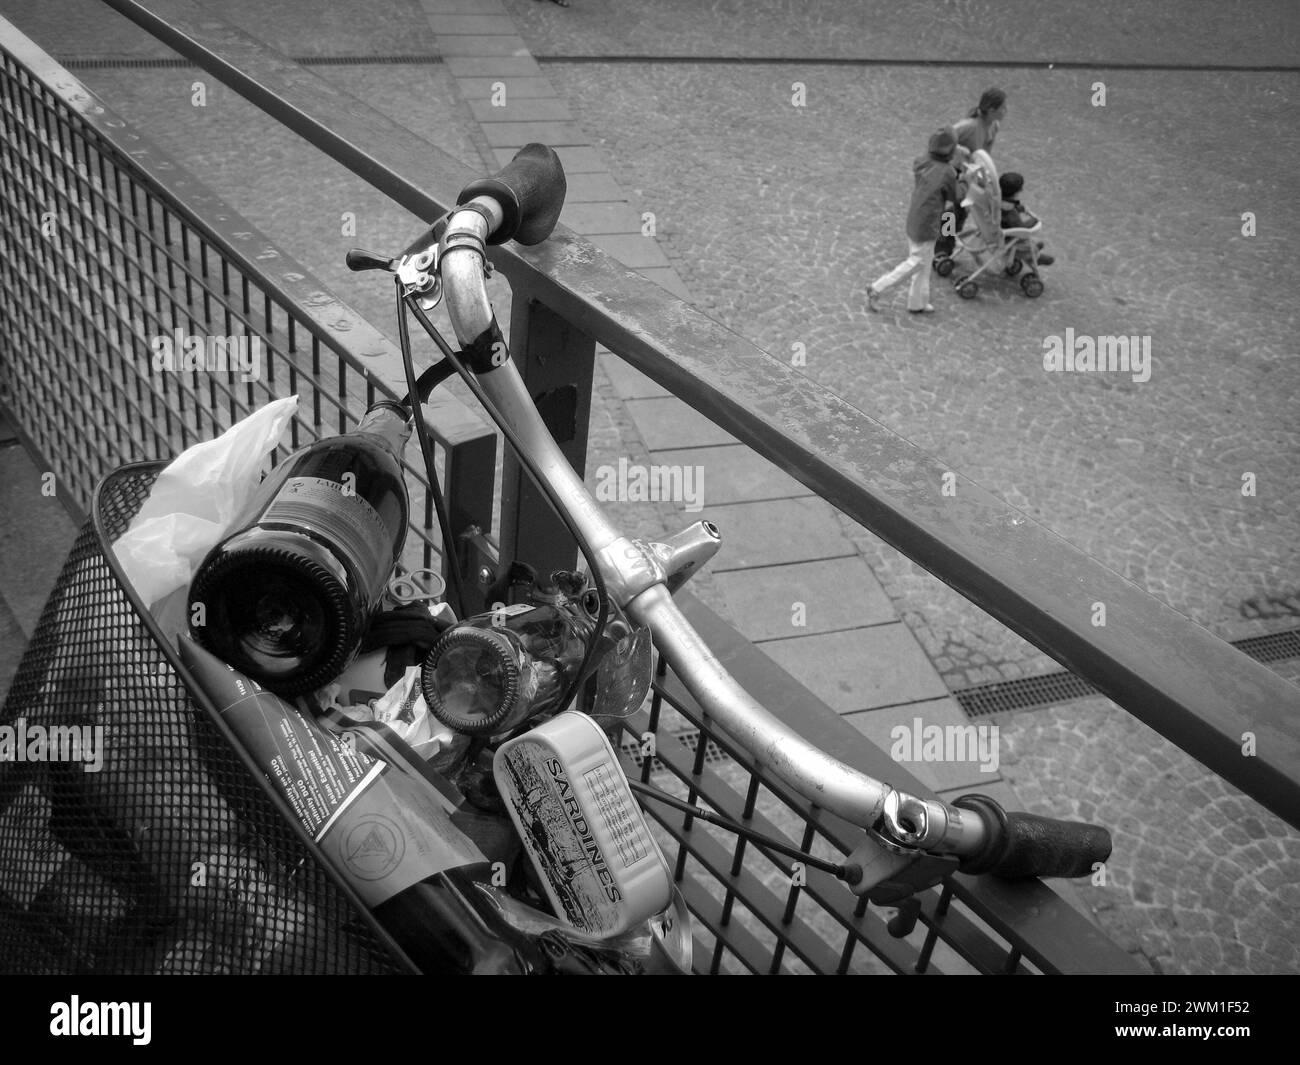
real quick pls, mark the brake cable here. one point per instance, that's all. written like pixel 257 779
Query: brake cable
pixel 415 400
pixel 543 485
pixel 849 873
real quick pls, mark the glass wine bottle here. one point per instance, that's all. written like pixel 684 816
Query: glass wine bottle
pixel 286 597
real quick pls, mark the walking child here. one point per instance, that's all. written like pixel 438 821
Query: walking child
pixel 936 185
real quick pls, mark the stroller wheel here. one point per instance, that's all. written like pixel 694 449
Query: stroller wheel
pixel 943 266
pixel 1033 285
pixel 967 290
pixel 1014 267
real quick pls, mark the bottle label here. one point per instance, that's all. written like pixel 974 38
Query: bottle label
pixel 32 856
pixel 511 611
pixel 383 829
pixel 328 508
pixel 560 840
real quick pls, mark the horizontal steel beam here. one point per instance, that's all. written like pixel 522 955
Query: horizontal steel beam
pixel 1160 666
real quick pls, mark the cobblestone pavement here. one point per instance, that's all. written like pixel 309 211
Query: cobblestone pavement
pixel 1207 32
pixel 1203 879
pixel 1145 477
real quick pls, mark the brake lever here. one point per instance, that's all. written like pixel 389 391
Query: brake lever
pixel 416 267
pixel 358 259
pixel 417 271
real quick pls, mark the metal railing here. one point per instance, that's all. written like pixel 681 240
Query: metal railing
pixel 753 911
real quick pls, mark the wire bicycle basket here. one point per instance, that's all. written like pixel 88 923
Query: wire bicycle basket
pixel 140 842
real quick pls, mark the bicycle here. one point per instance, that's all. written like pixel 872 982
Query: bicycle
pixel 909 843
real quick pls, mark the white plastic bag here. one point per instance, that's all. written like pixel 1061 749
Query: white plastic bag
pixel 195 499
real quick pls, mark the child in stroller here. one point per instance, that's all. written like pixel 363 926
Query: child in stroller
pixel 1015 216
pixel 988 239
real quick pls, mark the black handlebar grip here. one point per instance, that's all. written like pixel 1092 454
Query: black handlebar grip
pixel 1024 845
pixel 530 190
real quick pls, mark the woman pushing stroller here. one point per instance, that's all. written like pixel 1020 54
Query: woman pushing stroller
pixel 975 133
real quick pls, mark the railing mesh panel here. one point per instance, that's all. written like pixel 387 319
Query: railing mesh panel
pixel 130 333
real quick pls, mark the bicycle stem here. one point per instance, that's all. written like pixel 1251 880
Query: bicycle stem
pixel 636 579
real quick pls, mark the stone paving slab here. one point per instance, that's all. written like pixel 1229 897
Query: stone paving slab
pixel 669 279
pixel 776 531
pixel 628 381
pixel 13 644
pixel 519 108
pixel 492 66
pixel 632 250
pixel 453 45
pixel 576 160
pixel 516 134
pixel 593 188
pixel 463 7
pixel 962 767
pixel 861 669
pixel 834 595
pixel 670 423
pixel 516 87
pixel 734 474
pixel 591 219
pixel 481 25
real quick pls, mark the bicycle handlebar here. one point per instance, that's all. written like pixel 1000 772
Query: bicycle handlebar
pixel 523 201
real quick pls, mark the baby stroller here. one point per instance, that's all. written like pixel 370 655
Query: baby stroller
pixel 984 239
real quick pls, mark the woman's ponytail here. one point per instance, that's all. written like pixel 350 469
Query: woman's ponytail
pixel 990 101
